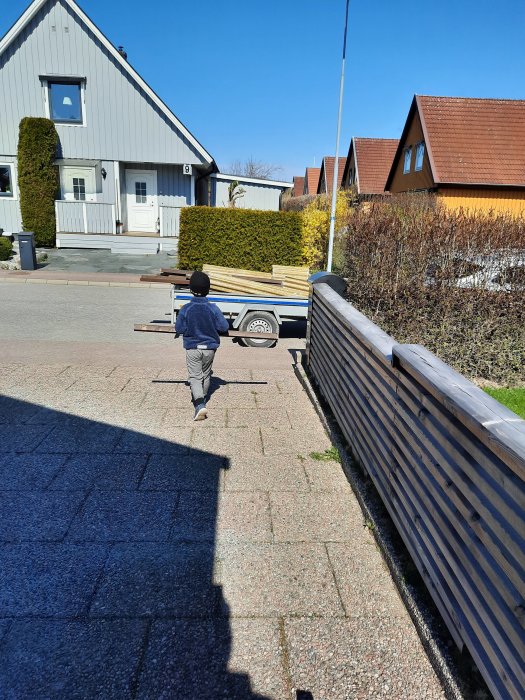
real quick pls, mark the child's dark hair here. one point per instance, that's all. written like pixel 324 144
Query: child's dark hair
pixel 200 284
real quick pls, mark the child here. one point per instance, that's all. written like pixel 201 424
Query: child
pixel 200 322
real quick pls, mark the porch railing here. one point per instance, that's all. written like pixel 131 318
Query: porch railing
pixel 169 221
pixel 96 217
pixel 85 217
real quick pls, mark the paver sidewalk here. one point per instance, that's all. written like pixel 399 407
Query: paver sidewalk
pixel 145 556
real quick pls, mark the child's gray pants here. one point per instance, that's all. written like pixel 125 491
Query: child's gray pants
pixel 199 363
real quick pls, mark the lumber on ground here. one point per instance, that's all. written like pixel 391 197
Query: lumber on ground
pixel 169 328
pixel 172 271
pixel 166 279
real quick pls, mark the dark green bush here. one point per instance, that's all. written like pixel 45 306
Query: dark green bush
pixel 6 248
pixel 241 238
pixel 403 260
pixel 38 178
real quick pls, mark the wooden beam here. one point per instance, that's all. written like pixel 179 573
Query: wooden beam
pixel 166 279
pixel 168 328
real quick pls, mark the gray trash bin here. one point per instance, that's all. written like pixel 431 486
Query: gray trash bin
pixel 337 282
pixel 26 243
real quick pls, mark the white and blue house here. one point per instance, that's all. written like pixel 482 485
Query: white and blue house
pixel 127 164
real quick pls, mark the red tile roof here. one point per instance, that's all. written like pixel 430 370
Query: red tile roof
pixel 474 141
pixel 311 180
pixel 374 159
pixel 328 167
pixel 298 186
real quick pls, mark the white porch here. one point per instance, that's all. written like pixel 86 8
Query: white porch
pixel 95 225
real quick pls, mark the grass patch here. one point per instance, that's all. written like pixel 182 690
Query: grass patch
pixel 330 455
pixel 511 398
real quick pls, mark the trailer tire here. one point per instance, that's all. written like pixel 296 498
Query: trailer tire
pixel 259 322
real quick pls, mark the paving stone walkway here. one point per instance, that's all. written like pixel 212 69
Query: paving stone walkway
pixel 145 556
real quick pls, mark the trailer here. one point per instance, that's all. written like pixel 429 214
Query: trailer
pixel 255 319
pixel 248 313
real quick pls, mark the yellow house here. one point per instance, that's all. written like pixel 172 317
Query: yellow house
pixel 469 151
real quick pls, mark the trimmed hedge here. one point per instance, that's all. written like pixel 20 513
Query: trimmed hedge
pixel 242 238
pixel 6 248
pixel 38 178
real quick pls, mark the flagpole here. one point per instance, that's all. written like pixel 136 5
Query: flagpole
pixel 336 164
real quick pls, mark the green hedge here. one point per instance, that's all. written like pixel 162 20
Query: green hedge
pixel 38 178
pixel 243 238
pixel 6 248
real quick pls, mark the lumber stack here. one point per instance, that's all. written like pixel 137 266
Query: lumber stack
pixel 283 281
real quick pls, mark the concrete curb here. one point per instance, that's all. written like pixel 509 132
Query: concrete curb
pixel 429 625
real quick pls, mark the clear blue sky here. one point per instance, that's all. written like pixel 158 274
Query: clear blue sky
pixel 261 78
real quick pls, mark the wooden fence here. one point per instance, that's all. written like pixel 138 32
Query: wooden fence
pixel 449 464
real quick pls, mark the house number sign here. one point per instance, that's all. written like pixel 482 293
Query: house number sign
pixel 186 169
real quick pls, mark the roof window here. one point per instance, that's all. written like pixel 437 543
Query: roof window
pixel 420 153
pixel 407 164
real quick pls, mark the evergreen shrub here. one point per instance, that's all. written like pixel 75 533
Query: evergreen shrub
pixel 241 238
pixel 6 248
pixel 38 178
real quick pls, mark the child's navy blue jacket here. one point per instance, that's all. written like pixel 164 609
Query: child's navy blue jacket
pixel 200 322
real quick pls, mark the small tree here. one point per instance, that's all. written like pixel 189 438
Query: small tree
pixel 235 192
pixel 254 168
pixel 38 178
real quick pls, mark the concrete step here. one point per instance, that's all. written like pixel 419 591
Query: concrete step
pixel 128 245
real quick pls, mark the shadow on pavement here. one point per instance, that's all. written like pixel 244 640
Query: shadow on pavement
pixel 107 549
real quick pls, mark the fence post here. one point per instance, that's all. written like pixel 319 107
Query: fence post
pixel 57 217
pixel 84 214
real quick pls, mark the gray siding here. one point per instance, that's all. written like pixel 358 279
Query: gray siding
pixel 174 188
pixel 265 197
pixel 10 217
pixel 121 121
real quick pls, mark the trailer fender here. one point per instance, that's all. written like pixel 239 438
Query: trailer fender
pixel 247 308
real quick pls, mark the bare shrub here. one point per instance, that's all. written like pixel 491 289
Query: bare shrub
pixel 450 281
pixel 297 203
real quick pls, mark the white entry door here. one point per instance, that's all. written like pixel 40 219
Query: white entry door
pixel 142 201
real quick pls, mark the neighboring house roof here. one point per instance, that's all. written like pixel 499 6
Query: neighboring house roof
pixel 253 180
pixel 311 180
pixel 373 159
pixel 298 186
pixel 36 5
pixel 327 173
pixel 471 141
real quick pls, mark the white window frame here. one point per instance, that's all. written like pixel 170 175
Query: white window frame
pixel 420 145
pixel 69 196
pixel 47 104
pixel 13 194
pixel 407 151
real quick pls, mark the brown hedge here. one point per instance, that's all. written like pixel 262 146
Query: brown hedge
pixel 38 178
pixel 403 259
pixel 241 238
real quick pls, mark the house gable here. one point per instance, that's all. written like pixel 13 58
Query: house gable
pixel 373 160
pixel 413 134
pixel 350 176
pixel 326 177
pixel 311 180
pixel 124 118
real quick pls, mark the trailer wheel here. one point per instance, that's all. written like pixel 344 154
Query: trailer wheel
pixel 259 322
